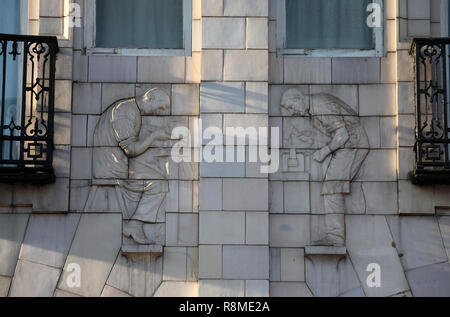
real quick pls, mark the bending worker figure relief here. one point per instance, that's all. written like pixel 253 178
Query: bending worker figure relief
pixel 348 148
pixel 120 137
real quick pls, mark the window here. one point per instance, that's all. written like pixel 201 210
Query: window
pixel 329 28
pixel 139 27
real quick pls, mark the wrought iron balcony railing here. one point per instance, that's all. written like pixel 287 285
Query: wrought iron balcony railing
pixel 27 96
pixel 432 110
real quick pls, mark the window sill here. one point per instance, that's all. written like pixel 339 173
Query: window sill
pixel 137 52
pixel 330 53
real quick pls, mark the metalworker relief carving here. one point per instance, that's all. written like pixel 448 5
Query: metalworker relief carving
pixel 331 133
pixel 129 173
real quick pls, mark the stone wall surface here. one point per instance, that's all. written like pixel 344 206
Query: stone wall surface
pixel 142 225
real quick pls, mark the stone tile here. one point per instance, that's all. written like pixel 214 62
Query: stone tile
pixel 60 293
pixel 12 230
pixel 276 201
pixel 5 282
pixel 418 239
pixel 406 130
pixel 234 28
pixel 222 228
pixel 81 167
pixel 221 288
pixel 224 170
pixel 245 194
pixel 415 199
pixel 222 97
pixel 376 192
pixel 257 33
pixel 377 100
pixel 114 92
pixel 64 60
pixel 257 288
pixel 363 70
pixel 87 98
pixel 185 196
pixel 379 166
pixel 63 96
pixel 91 126
pixel 210 194
pixel 177 289
pixel 296 197
pixel 249 122
pixel 405 66
pixel 251 65
pixel 136 275
pixel 80 73
pixel 61 161
pixel 276 69
pixel 212 7
pixel 95 248
pixel 257 228
pixel 48 238
pixel 275 264
pixel 194 64
pixel 210 261
pixel 372 233
pixel 79 124
pixel 245 262
pixel 372 127
pixel 34 280
pixel 109 291
pixel 406 98
pixel 289 290
pixel 107 68
pixel 307 70
pixel 290 231
pixel 186 100
pixel 62 127
pixel 388 129
pixel 246 7
pixel 292 265
pixel 347 93
pixel 212 65
pixel 257 95
pixel 357 292
pixel 182 230
pixel 192 264
pixel 444 225
pixel 389 69
pixel 161 69
pixel 330 275
pixel 430 281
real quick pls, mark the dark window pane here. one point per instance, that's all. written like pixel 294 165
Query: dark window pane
pixel 139 24
pixel 328 24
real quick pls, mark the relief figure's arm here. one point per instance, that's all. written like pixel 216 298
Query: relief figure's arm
pixel 134 147
pixel 340 138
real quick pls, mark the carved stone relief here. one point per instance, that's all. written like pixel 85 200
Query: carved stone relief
pixel 132 166
pixel 328 143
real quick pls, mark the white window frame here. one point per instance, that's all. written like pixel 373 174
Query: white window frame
pixel 281 36
pixel 90 31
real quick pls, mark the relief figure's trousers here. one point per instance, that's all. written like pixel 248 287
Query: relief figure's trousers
pixel 335 218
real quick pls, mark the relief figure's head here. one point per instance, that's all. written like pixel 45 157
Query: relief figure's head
pixel 294 103
pixel 153 102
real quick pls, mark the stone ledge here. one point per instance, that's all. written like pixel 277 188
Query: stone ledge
pixel 154 249
pixel 325 250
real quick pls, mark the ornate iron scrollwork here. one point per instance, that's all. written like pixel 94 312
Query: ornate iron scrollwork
pixel 26 117
pixel 432 107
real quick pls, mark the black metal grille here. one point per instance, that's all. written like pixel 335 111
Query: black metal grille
pixel 27 92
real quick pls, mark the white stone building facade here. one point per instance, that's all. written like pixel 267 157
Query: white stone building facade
pixel 227 229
